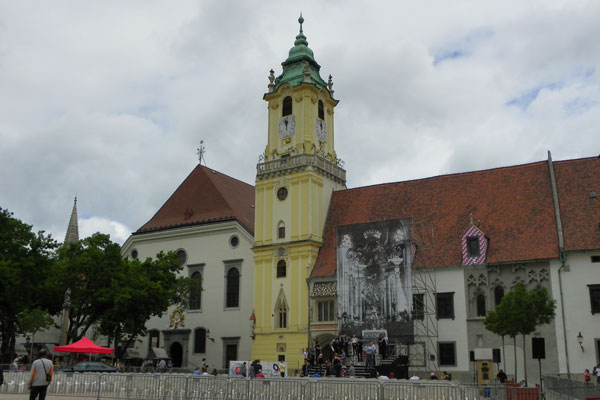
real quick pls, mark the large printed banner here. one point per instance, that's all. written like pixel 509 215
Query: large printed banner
pixel 374 282
pixel 269 369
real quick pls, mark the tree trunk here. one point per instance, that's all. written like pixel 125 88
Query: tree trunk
pixel 524 361
pixel 515 354
pixel 503 355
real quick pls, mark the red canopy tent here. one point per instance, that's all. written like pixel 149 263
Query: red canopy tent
pixel 84 345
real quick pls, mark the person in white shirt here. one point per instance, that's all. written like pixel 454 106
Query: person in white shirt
pixel 42 371
pixel 414 377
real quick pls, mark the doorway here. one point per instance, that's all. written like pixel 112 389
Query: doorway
pixel 176 351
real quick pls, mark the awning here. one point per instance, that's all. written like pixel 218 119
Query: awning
pixel 84 345
pixel 159 352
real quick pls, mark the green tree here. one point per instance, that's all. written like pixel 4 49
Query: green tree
pixel 33 321
pixel 26 265
pixel 145 289
pixel 89 272
pixel 520 312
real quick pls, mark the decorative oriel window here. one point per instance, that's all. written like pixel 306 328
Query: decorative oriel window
pixel 321 110
pixel 200 340
pixel 287 106
pixel 281 269
pixel 326 311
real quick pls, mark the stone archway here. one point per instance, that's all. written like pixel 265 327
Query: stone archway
pixel 176 353
pixel 181 337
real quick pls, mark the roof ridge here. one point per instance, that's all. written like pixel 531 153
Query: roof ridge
pixel 216 183
pixel 446 175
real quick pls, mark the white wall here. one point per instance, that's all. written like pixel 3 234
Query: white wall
pixel 579 273
pixel 209 245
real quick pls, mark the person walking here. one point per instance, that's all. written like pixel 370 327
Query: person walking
pixel 42 371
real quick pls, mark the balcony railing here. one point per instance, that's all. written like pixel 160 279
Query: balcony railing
pixel 277 167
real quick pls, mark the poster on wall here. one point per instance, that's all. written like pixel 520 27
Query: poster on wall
pixel 269 369
pixel 374 282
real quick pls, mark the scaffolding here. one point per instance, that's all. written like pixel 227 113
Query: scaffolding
pixel 423 354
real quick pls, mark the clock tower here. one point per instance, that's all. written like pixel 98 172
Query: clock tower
pixel 295 178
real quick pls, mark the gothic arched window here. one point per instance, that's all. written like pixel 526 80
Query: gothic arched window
pixel 498 295
pixel 480 305
pixel 233 288
pixel 287 106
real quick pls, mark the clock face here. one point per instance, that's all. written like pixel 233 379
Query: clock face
pixel 287 127
pixel 321 129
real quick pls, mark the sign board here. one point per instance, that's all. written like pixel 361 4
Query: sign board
pixel 485 371
pixel 269 369
pixel 484 354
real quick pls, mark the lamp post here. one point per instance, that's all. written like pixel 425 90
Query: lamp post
pixel 580 341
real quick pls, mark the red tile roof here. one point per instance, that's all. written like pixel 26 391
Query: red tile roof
pixel 580 213
pixel 205 196
pixel 513 205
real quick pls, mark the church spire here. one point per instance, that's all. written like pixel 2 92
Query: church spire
pixel 72 235
pixel 300 66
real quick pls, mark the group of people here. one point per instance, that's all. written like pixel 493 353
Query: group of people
pixel 42 371
pixel 595 373
pixel 161 365
pixel 340 346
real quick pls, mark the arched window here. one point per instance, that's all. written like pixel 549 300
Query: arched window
pixel 498 295
pixel 287 107
pixel 200 340
pixel 281 269
pixel 480 305
pixel 281 309
pixel 281 230
pixel 321 110
pixel 233 288
pixel 196 292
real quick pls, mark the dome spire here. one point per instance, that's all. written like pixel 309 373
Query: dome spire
pixel 301 39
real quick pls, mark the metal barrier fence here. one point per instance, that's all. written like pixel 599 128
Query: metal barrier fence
pixel 568 389
pixel 187 387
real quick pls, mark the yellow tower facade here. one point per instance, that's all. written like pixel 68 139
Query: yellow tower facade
pixel 295 178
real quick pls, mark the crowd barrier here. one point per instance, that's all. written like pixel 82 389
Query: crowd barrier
pixel 191 387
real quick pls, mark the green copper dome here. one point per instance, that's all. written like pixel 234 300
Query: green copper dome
pixel 300 65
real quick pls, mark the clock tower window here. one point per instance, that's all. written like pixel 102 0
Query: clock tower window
pixel 321 110
pixel 287 106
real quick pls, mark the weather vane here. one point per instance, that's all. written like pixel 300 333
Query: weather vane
pixel 200 153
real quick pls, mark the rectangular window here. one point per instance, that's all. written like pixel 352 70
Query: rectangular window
pixel 447 353
pixel 595 298
pixel 418 306
pixel 281 232
pixel 325 311
pixel 473 246
pixel 445 305
pixel 595 259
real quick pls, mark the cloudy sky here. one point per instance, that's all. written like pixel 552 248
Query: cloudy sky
pixel 108 100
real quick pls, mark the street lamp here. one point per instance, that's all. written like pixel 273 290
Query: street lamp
pixel 580 340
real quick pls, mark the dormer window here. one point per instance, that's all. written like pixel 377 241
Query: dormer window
pixel 287 106
pixel 321 110
pixel 473 246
